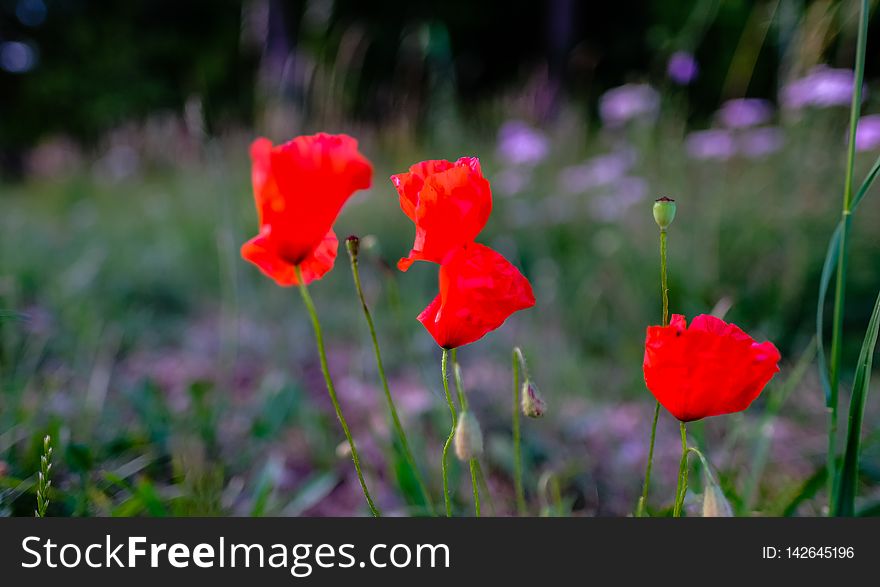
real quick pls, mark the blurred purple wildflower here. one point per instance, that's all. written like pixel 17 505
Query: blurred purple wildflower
pixel 868 133
pixel 745 112
pixel 520 144
pixel 614 203
pixel 822 87
pixel 629 102
pixel 712 144
pixel 682 68
pixel 595 172
pixel 757 143
pixel 511 181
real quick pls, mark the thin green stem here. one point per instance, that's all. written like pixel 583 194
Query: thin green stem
pixel 681 489
pixel 463 403
pixel 664 295
pixel 485 485
pixel 444 463
pixel 475 483
pixel 840 285
pixel 517 442
pixel 392 409
pixel 331 390
pixel 643 500
pixel 664 284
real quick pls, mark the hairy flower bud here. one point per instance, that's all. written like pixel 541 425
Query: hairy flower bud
pixel 664 212
pixel 532 402
pixel 715 505
pixel 468 437
pixel 353 244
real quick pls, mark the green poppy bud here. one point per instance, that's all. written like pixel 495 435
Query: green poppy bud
pixel 531 401
pixel 664 212
pixel 353 244
pixel 468 437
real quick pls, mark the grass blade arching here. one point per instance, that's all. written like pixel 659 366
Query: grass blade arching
pixel 849 472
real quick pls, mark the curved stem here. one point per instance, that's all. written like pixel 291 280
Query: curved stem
pixel 681 489
pixel 664 295
pixel 443 464
pixel 392 409
pixel 463 403
pixel 517 442
pixel 331 390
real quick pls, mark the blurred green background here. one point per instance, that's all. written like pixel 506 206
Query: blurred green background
pixel 176 380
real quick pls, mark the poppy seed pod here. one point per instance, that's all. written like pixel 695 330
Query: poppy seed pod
pixel 664 212
pixel 353 244
pixel 468 437
pixel 532 402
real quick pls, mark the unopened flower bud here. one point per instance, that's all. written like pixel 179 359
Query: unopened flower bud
pixel 715 505
pixel 353 244
pixel 532 402
pixel 664 212
pixel 468 437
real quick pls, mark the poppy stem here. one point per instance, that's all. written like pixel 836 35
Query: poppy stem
pixel 462 401
pixel 643 500
pixel 331 390
pixel 681 489
pixel 517 442
pixel 664 295
pixel 443 463
pixel 392 409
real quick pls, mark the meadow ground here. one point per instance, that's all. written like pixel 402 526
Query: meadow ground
pixel 176 380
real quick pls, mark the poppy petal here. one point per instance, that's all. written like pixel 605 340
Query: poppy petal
pixel 262 251
pixel 449 203
pixel 479 290
pixel 708 369
pixel 300 187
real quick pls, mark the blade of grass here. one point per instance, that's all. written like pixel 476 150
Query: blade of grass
pixel 846 219
pixel 849 472
pixel 828 267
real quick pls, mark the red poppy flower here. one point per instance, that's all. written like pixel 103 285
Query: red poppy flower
pixel 299 189
pixel 707 369
pixel 449 204
pixel 479 290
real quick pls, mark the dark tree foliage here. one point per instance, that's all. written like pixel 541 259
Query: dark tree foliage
pixel 102 63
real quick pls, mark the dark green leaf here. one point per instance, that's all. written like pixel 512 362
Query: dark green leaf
pixel 849 473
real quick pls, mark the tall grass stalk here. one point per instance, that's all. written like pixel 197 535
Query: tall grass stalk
pixel 840 285
pixel 331 390
pixel 44 482
pixel 352 245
